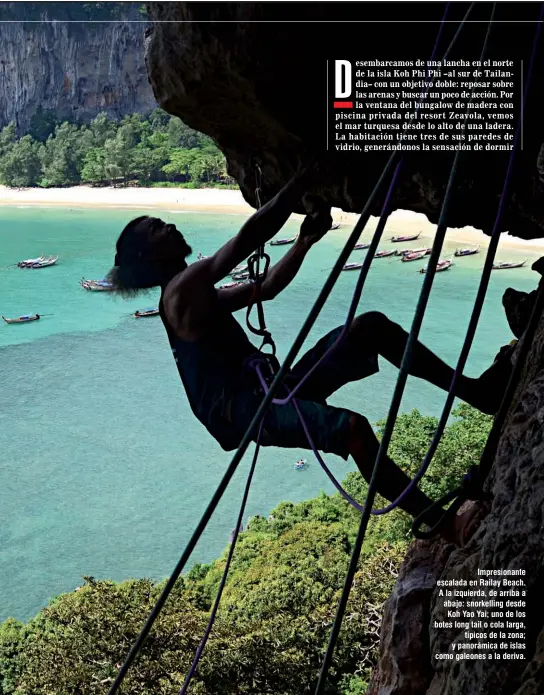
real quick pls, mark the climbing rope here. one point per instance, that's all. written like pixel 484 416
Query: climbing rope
pixel 395 404
pixel 257 278
pixel 392 164
pixel 239 522
pixel 478 304
pixel 471 487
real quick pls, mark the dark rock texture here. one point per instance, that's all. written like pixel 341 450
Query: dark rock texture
pixel 511 537
pixel 258 86
pixel 74 69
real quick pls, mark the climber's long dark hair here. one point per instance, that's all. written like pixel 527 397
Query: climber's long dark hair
pixel 132 272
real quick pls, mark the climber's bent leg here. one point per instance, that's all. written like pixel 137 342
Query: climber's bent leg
pixel 363 446
pixel 372 335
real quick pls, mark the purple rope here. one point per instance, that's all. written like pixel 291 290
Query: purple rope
pixel 239 522
pixel 255 364
pixel 480 297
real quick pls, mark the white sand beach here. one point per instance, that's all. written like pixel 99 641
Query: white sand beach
pixel 216 200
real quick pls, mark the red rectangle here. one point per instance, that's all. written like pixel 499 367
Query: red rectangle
pixel 343 104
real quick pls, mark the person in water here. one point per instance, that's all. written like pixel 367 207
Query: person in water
pixel 211 349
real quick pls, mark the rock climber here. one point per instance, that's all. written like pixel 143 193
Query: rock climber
pixel 211 349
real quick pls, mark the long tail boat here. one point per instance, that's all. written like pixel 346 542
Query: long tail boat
pixel 406 237
pixel 414 256
pixel 152 311
pixel 44 263
pixel 228 285
pixel 467 251
pixel 440 266
pixel 405 252
pixel 503 265
pixel 282 242
pixel 23 319
pixel 31 261
pixel 384 254
pixel 96 285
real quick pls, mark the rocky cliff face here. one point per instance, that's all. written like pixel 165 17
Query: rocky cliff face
pixel 511 537
pixel 74 69
pixel 257 85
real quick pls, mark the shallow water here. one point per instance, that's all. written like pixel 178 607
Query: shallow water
pixel 104 470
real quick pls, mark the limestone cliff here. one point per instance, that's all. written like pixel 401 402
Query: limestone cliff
pixel 256 84
pixel 72 67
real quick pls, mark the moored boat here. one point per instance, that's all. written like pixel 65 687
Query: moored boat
pixel 467 251
pixel 96 285
pixel 413 256
pixel 240 268
pixel 405 252
pixel 384 254
pixel 152 311
pixel 352 266
pixel 282 242
pixel 228 285
pixel 440 266
pixel 336 225
pixel 44 263
pixel 23 319
pixel 360 247
pixel 503 265
pixel 406 237
pixel 30 261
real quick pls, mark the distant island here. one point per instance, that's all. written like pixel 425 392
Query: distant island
pixel 135 151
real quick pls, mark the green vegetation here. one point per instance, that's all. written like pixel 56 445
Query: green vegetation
pixel 277 609
pixel 133 151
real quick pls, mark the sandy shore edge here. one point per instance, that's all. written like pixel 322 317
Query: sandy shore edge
pixel 214 200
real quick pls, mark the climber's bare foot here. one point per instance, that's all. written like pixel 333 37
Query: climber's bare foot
pixel 461 529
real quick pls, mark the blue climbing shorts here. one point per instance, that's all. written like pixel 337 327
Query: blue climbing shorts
pixel 328 426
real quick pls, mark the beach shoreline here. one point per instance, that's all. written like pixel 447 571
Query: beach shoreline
pixel 221 200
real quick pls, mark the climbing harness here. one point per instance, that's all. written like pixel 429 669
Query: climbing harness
pixel 391 173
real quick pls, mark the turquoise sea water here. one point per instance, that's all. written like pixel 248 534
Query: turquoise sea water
pixel 103 469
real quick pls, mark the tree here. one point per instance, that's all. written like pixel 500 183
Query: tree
pixel 102 128
pixel 196 165
pixel 63 154
pixel 159 120
pixel 180 135
pixel 94 166
pixel 8 137
pixel 278 605
pixel 20 165
pixel 43 123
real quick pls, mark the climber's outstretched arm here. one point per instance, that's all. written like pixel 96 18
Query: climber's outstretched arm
pixel 260 228
pixel 285 270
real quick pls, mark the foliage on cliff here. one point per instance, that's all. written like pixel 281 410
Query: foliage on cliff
pixel 277 609
pixel 106 152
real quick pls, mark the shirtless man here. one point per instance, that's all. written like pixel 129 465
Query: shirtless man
pixel 211 348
